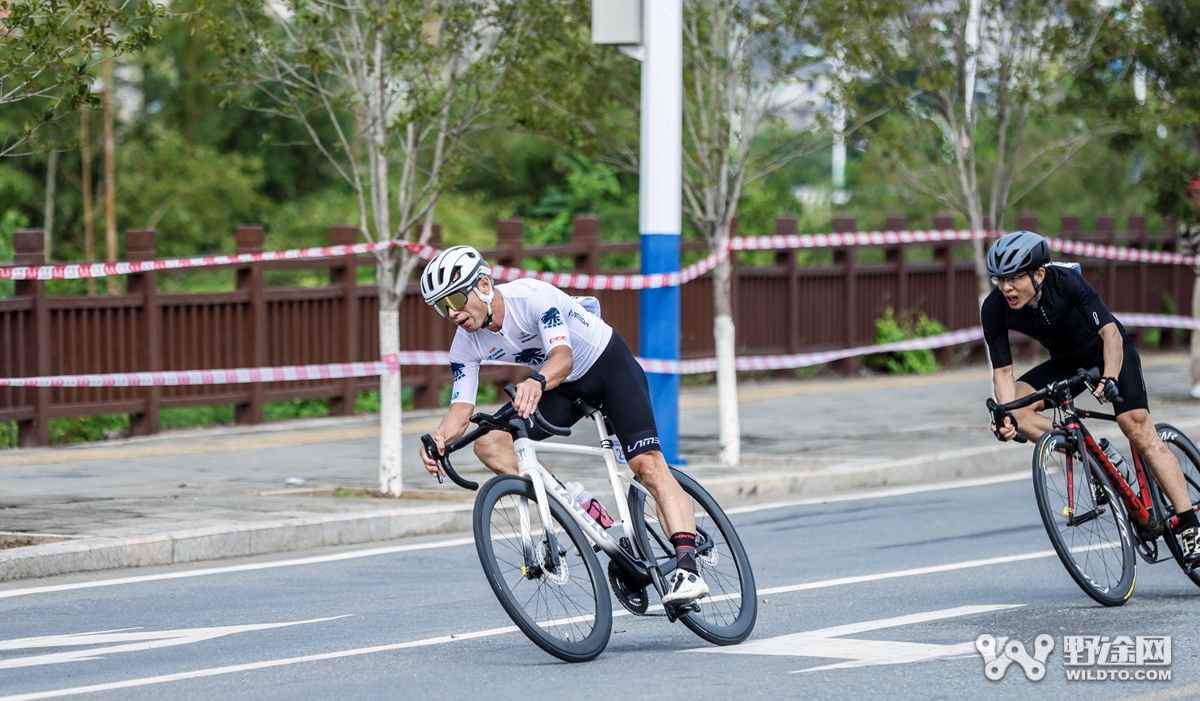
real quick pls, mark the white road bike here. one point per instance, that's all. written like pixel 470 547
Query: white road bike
pixel 538 547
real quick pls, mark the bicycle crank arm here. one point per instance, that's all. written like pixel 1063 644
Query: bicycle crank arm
pixel 1084 518
pixel 636 572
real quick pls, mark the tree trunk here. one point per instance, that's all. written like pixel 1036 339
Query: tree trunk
pixel 390 415
pixel 729 446
pixel 110 178
pixel 89 229
pixel 51 188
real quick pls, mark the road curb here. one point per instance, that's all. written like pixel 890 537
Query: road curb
pixel 769 478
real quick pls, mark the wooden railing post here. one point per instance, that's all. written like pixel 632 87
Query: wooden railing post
pixel 587 234
pixel 28 249
pixel 345 277
pixel 789 226
pixel 142 244
pixel 1137 239
pixel 898 257
pixel 846 258
pixel 1028 221
pixel 944 253
pixel 1106 233
pixel 254 332
pixel 510 242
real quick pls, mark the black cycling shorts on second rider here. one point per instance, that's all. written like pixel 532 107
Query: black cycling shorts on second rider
pixel 617 383
pixel 1130 383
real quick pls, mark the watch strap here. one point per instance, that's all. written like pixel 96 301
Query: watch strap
pixel 540 378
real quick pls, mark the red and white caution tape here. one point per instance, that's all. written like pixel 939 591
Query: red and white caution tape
pixel 1095 250
pixel 391 363
pixel 78 271
pixel 74 271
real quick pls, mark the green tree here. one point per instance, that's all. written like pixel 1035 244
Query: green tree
pixel 49 48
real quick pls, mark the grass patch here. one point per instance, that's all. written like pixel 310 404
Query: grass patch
pixel 87 429
pixel 295 409
pixel 8 434
pixel 191 416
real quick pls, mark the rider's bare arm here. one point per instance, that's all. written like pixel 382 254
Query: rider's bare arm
pixel 1005 388
pixel 558 366
pixel 1114 351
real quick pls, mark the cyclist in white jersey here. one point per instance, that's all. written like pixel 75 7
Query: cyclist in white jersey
pixel 577 356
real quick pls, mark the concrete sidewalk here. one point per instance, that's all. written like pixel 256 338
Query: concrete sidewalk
pixel 202 495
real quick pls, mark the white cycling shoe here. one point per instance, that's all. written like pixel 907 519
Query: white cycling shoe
pixel 684 588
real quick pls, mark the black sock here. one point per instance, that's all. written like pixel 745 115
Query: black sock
pixel 685 551
pixel 1187 520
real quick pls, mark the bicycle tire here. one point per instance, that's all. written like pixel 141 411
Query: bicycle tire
pixel 1189 459
pixel 567 612
pixel 1098 553
pixel 728 614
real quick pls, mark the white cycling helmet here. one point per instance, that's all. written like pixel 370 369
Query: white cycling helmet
pixel 452 274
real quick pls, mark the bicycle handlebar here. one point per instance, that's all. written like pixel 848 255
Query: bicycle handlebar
pixel 1056 392
pixel 506 419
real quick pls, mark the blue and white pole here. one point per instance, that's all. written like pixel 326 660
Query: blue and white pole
pixel 660 202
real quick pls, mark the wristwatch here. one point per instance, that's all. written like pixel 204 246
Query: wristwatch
pixel 540 378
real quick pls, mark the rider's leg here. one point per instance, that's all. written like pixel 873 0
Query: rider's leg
pixel 1030 423
pixel 674 506
pixel 495 450
pixel 1139 429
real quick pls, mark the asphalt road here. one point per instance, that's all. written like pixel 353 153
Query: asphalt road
pixel 416 619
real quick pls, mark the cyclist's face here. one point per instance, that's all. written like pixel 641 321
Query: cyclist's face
pixel 1019 290
pixel 472 315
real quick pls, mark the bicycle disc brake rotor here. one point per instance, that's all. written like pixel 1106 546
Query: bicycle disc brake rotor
pixel 635 601
pixel 559 576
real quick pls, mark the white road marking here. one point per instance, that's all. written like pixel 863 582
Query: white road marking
pixel 454 542
pixel 132 642
pixel 885 492
pixel 829 643
pixel 183 574
pixel 487 633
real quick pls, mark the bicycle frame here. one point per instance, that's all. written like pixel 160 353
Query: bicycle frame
pixel 636 566
pixel 1138 505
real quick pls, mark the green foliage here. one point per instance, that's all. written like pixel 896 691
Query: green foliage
pixel 891 329
pixel 47 50
pixel 88 429
pixel 8 434
pixel 10 221
pixel 188 417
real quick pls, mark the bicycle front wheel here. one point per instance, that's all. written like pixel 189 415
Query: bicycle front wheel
pixel 1189 459
pixel 727 615
pixel 1085 519
pixel 565 609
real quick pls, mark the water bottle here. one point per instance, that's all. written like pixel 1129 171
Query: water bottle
pixel 1115 457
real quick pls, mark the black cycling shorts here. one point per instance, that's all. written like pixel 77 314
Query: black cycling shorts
pixel 1130 383
pixel 618 384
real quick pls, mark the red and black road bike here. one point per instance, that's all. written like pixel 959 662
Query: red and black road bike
pixel 1096 514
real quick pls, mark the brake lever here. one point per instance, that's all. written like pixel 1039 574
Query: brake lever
pixel 431 451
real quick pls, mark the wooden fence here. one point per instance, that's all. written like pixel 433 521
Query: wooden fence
pixel 781 308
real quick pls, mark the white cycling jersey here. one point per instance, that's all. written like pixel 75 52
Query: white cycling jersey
pixel 538 317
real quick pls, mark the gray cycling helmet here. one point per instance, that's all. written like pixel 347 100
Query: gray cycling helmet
pixel 1017 252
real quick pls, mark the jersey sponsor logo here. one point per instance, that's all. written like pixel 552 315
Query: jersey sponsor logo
pixel 495 353
pixel 551 318
pixel 652 440
pixel 454 396
pixel 558 339
pixel 459 370
pixel 1096 318
pixel 531 356
pixel 526 336
pixel 576 315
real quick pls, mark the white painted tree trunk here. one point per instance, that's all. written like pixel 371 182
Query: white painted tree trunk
pixel 729 446
pixel 390 438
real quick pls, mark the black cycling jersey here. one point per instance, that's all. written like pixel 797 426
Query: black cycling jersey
pixel 1066 319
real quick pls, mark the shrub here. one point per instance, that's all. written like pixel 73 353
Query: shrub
pixel 891 329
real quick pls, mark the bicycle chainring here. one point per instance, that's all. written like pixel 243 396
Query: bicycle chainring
pixel 1147 549
pixel 636 602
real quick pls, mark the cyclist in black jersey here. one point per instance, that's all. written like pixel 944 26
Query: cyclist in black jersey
pixel 1055 305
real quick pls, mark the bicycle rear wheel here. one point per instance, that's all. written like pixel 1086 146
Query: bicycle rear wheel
pixel 566 610
pixel 1189 459
pixel 727 615
pixel 1092 539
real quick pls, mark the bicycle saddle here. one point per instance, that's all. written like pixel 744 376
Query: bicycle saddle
pixel 588 408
